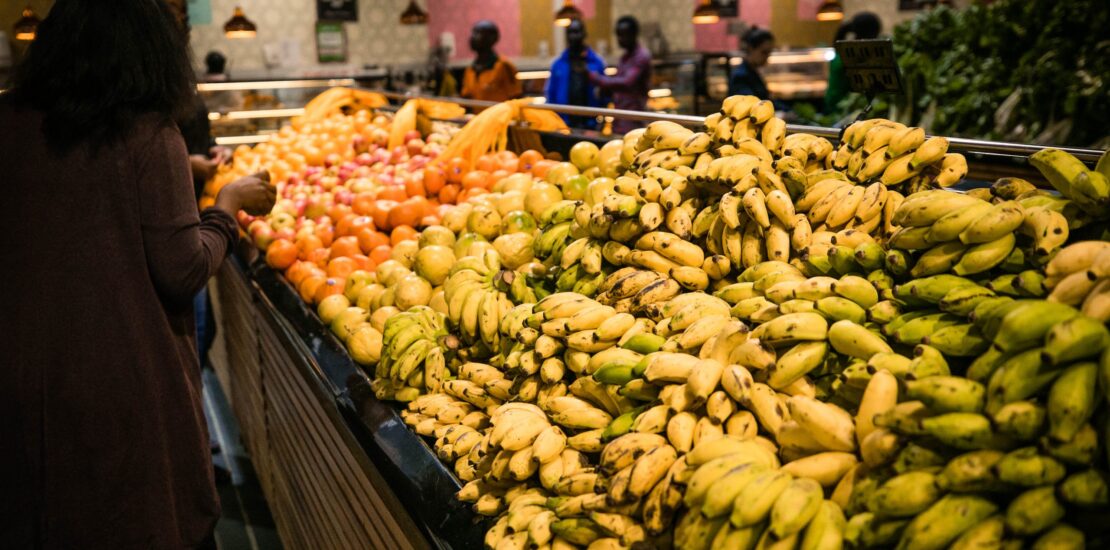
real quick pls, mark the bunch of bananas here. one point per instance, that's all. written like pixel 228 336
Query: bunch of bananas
pixel 898 156
pixel 738 497
pixel 476 300
pixel 1077 276
pixel 1088 189
pixel 412 357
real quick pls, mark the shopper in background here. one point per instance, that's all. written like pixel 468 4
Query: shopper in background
pixel 569 83
pixel 863 26
pixel 630 85
pixel 490 77
pixel 757 47
pixel 100 388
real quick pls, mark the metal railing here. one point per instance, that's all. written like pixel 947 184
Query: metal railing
pixel 961 145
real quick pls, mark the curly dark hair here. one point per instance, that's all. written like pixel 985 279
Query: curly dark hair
pixel 95 67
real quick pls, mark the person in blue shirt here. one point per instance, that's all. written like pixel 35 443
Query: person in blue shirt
pixel 569 83
pixel 746 80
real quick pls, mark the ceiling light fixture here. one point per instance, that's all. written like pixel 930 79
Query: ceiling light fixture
pixel 413 15
pixel 567 13
pixel 239 26
pixel 706 13
pixel 27 25
pixel 830 10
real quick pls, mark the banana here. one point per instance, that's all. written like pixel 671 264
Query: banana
pixel 1034 511
pixel 1072 401
pixel 949 226
pixel 988 534
pixel 945 521
pixel 880 396
pixel 792 328
pixel 796 363
pixel 1002 218
pixel 829 425
pixel 904 141
pixel 1049 229
pixel 795 507
pixel 826 528
pixel 754 502
pixel 929 152
pixel 1060 536
pixel 1079 256
pixel 1025 467
pixel 650 468
pixel 773 134
pixel 905 495
pixel 781 207
pixel 947 393
pixel 695 143
pixel 1026 325
pixel 960 430
pixel 854 340
pixel 826 468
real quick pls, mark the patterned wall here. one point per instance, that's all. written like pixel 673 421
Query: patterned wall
pixel 376 38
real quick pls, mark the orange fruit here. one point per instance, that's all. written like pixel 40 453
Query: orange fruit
pixel 309 285
pixel 325 233
pixel 345 247
pixel 381 253
pixel 332 285
pixel 306 244
pixel 319 257
pixel 528 160
pixel 281 254
pixel 392 193
pixel 540 167
pixel 414 187
pixel 407 213
pixel 476 178
pixel 341 267
pixel 403 233
pixel 449 194
pixel 369 238
pixel 434 179
pixel 363 204
pixel 456 168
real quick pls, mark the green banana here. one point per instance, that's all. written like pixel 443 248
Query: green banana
pixel 1077 338
pixel 755 501
pixel 947 393
pixel 1018 377
pixel 1021 420
pixel 945 521
pixel 825 530
pixel 1072 400
pixel 915 457
pixel 962 300
pixel 963 340
pixel 1026 326
pixel 1080 451
pixel 1061 537
pixel 961 430
pixel 1026 467
pixel 1034 511
pixel 984 256
pixel 987 534
pixel 930 290
pixel 1088 488
pixel 905 495
pixel 866 530
pixel 971 472
pixel 795 507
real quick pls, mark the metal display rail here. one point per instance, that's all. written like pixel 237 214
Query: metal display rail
pixel 959 145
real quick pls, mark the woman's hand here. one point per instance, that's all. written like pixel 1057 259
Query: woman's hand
pixel 253 194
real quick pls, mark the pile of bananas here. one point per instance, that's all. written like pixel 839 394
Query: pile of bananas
pixel 899 156
pixel 743 339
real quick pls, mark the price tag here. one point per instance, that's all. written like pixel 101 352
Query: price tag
pixel 870 66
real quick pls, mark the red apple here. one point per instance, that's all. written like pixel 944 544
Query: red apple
pixel 261 234
pixel 244 219
pixel 414 145
pixel 412 134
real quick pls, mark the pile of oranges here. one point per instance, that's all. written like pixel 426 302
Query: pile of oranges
pixel 366 199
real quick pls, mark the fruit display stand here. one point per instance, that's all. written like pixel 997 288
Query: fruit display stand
pixel 341 468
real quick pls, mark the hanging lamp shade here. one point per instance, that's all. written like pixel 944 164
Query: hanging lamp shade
pixel 830 10
pixel 567 13
pixel 706 13
pixel 239 26
pixel 27 25
pixel 413 15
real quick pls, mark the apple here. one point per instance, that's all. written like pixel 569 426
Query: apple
pixel 244 219
pixel 282 220
pixel 315 208
pixel 398 154
pixel 412 134
pixel 261 234
pixel 414 145
pixel 365 159
pixel 359 143
pixel 284 233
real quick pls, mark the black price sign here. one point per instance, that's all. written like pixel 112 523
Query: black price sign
pixel 870 66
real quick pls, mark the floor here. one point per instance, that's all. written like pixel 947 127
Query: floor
pixel 246 523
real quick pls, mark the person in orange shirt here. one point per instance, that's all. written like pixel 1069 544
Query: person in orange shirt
pixel 490 77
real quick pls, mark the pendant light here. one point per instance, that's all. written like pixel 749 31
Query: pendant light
pixel 567 13
pixel 413 15
pixel 830 10
pixel 239 26
pixel 27 25
pixel 706 13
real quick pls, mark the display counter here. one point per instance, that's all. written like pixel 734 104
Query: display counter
pixel 338 467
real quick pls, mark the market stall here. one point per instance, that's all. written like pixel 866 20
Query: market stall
pixel 342 466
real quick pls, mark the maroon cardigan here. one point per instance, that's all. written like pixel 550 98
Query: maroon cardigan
pixel 104 442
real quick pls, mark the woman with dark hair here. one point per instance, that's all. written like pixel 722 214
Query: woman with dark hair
pixel 745 80
pixel 103 248
pixel 864 26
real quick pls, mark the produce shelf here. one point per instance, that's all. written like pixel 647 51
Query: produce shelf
pixel 339 467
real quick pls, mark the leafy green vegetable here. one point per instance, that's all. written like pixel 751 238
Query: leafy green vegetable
pixel 1016 70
